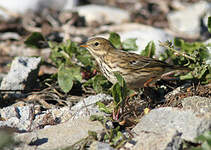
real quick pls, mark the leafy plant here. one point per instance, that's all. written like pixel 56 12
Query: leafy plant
pixel 149 50
pixel 70 60
pixel 127 45
pixel 119 92
pixel 194 55
pixel 35 40
pixel 114 135
pixel 66 76
pixel 99 83
pixel 209 24
pixel 205 139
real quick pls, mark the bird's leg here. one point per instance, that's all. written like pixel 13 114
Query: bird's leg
pixel 168 76
pixel 148 82
pixel 116 114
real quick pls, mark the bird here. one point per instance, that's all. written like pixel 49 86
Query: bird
pixel 138 71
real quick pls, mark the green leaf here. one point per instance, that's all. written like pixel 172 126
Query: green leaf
pixel 118 138
pixel 76 73
pixel 209 24
pixel 205 138
pixel 130 44
pixel 149 50
pixel 203 71
pixel 35 40
pixel 96 118
pixel 65 79
pixel 116 94
pixel 99 83
pixel 92 134
pixel 114 38
pixel 120 79
pixel 103 108
pixel 119 90
pixel 178 42
pixel 84 57
pixel 187 76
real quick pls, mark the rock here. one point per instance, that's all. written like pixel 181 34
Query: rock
pixel 200 105
pixel 87 106
pixel 103 14
pixel 22 75
pixel 61 135
pixel 187 22
pixel 17 117
pixel 100 146
pixel 161 126
pixel 169 140
pixel 51 117
pixel 35 5
pixel 143 33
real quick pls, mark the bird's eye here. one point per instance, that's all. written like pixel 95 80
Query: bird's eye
pixel 96 43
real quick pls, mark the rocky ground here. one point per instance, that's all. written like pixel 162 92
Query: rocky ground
pixel 35 114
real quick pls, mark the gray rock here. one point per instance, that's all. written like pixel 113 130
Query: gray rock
pixel 143 33
pixel 187 22
pixel 22 75
pixel 103 14
pixel 168 140
pixel 163 125
pixel 17 117
pixel 87 106
pixel 100 146
pixel 200 105
pixel 61 135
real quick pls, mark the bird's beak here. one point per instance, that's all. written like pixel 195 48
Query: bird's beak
pixel 83 45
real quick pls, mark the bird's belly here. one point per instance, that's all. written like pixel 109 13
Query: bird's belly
pixel 107 72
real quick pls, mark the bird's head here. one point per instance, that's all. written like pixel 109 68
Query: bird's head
pixel 98 46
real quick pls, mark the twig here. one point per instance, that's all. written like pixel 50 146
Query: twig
pixel 176 52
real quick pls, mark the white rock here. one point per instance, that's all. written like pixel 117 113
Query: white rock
pixel 16 6
pixel 187 22
pixel 87 106
pixel 22 75
pixel 16 117
pixel 103 14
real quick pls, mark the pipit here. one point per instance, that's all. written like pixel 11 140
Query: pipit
pixel 137 70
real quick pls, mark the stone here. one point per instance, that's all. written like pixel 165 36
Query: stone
pixel 35 5
pixel 61 135
pixel 169 140
pixel 100 146
pixel 22 74
pixel 187 22
pixel 17 117
pixel 200 105
pixel 87 106
pixel 161 126
pixel 103 14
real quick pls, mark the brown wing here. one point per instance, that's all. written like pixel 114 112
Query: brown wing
pixel 140 62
